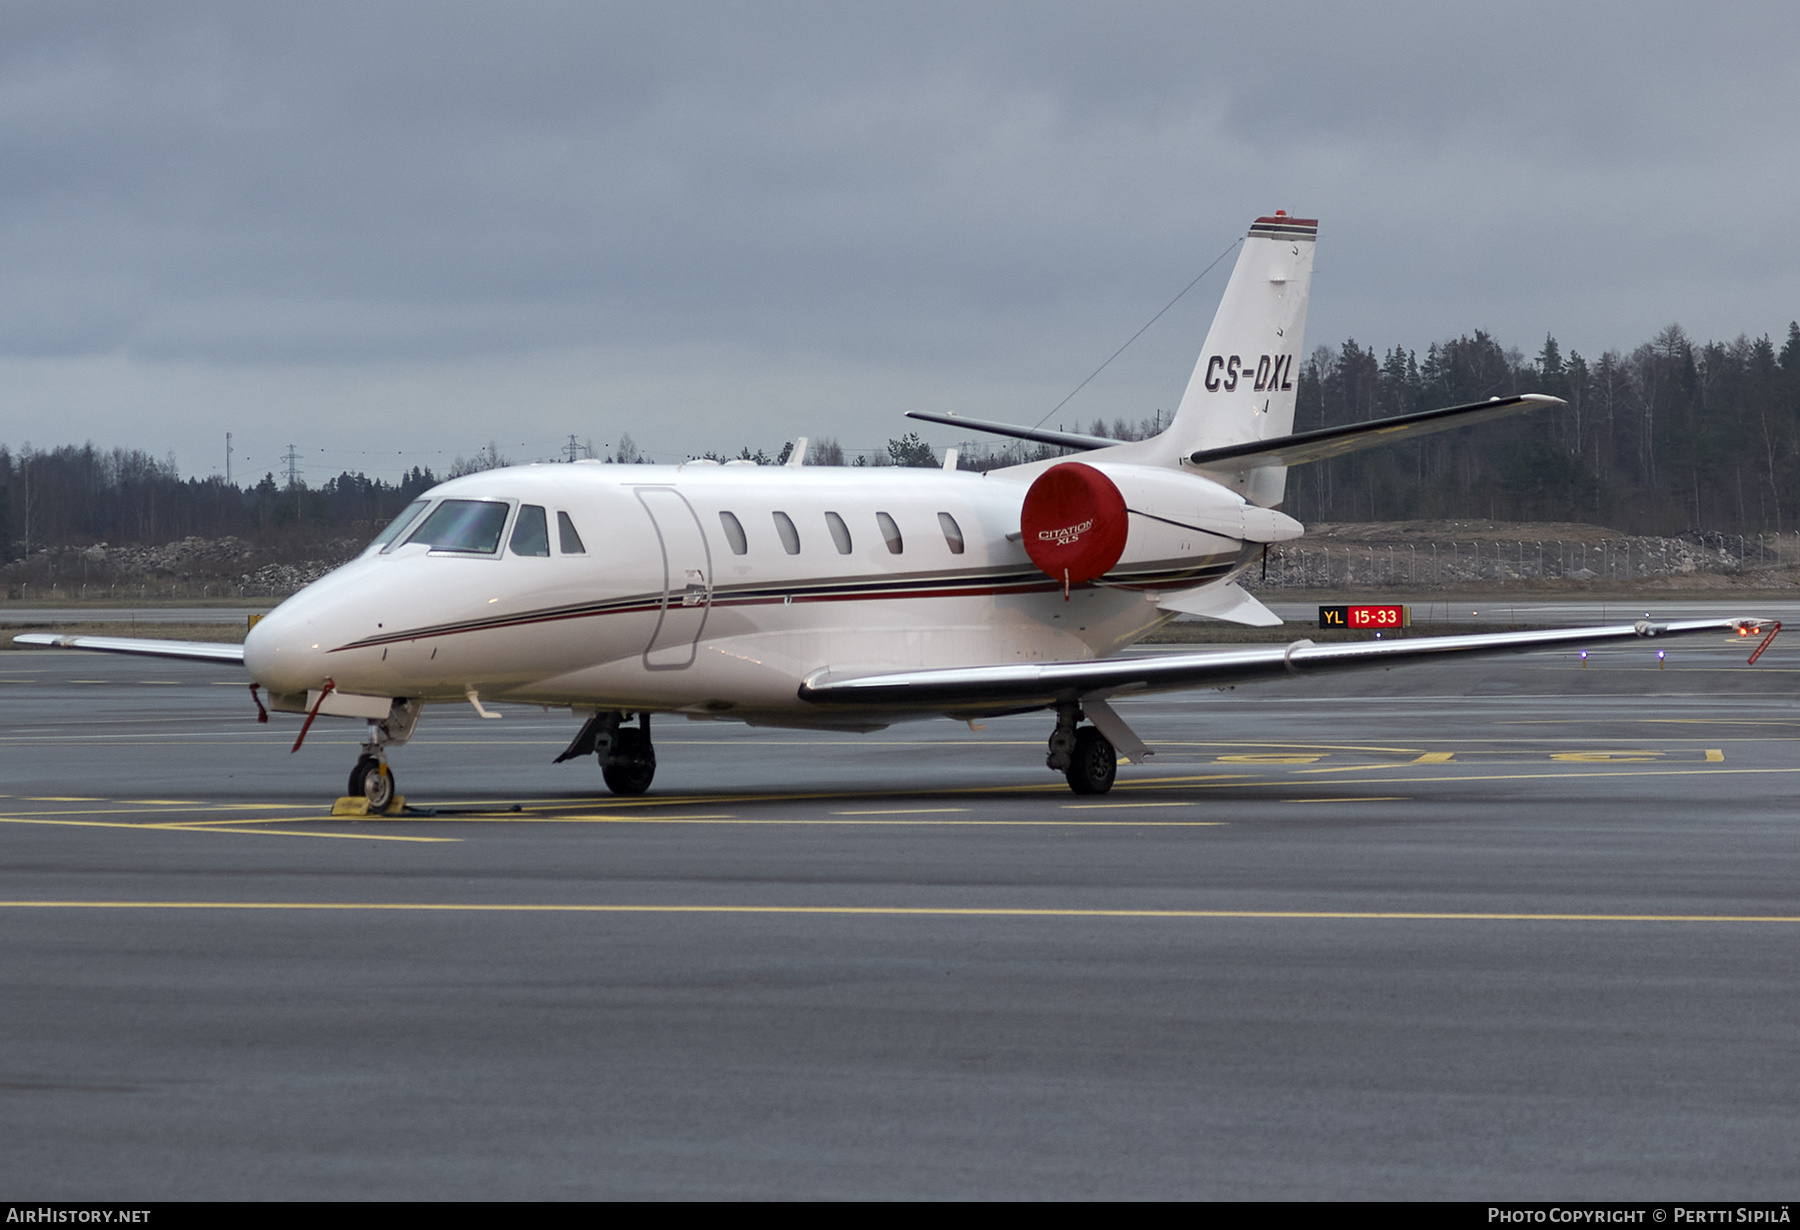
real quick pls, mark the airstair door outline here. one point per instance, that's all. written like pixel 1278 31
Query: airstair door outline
pixel 687 579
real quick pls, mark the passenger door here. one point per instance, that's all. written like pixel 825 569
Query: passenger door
pixel 687 579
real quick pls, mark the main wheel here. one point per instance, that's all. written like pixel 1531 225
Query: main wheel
pixel 632 765
pixel 1094 763
pixel 372 780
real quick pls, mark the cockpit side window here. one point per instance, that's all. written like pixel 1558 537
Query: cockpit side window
pixel 571 541
pixel 471 526
pixel 398 525
pixel 531 532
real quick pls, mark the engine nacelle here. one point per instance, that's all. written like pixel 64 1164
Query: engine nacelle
pixel 1081 520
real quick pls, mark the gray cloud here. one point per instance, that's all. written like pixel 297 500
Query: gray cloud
pixel 551 213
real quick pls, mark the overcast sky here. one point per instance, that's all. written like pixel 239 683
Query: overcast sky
pixel 390 233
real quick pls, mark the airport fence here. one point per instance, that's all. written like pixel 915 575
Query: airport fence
pixel 1461 562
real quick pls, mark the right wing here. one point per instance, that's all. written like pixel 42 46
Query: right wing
pixel 193 651
pixel 979 690
pixel 1038 435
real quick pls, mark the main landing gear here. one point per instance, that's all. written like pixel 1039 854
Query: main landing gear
pixel 1082 754
pixel 627 757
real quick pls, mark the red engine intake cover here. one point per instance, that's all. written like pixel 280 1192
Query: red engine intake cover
pixel 1074 522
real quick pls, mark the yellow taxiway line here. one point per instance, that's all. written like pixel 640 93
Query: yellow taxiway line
pixel 880 911
pixel 223 826
pixel 651 811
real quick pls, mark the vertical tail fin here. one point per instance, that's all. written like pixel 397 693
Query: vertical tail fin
pixel 1242 389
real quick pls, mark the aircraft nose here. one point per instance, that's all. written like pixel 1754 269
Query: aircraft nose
pixel 283 652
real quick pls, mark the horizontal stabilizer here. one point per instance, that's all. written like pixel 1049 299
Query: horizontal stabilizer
pixel 1020 686
pixel 1227 602
pixel 192 651
pixel 1308 446
pixel 1038 435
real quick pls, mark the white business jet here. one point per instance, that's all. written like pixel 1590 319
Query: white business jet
pixel 847 599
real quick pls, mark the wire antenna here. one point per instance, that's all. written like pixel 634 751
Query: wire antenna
pixel 1134 337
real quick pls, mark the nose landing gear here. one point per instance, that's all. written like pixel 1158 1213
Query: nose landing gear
pixel 371 779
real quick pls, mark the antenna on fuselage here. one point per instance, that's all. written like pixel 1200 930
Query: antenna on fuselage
pixel 797 458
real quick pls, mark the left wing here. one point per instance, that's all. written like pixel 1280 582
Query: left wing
pixel 193 651
pixel 1328 442
pixel 980 690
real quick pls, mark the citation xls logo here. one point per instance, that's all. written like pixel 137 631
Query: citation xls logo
pixel 1273 371
pixel 1068 535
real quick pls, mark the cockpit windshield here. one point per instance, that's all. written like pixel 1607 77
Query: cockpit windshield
pixel 399 524
pixel 473 526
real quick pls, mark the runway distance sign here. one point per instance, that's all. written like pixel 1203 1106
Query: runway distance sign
pixel 1366 618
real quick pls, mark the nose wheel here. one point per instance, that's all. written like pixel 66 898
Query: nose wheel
pixel 372 780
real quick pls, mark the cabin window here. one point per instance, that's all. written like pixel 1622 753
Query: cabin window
pixel 840 533
pixel 790 537
pixel 399 524
pixel 734 534
pixel 890 533
pixel 531 532
pixel 471 526
pixel 571 541
pixel 952 533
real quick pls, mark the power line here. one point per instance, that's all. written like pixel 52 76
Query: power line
pixel 1134 337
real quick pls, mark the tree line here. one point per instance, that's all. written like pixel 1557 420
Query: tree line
pixel 78 495
pixel 1671 437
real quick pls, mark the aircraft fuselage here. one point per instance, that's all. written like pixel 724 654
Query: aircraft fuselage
pixel 681 590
